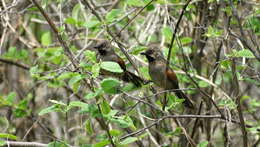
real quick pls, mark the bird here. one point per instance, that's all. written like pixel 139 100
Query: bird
pixel 107 53
pixel 162 76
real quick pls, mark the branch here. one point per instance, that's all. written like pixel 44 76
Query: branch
pixel 238 102
pixel 235 78
pixel 56 32
pixel 131 20
pixel 175 31
pixel 120 45
pixel 243 35
pixel 170 116
pixel 7 61
pixel 27 144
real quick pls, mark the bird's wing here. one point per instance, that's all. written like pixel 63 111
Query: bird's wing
pixel 121 62
pixel 171 76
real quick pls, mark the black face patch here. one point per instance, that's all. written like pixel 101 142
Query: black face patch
pixel 102 52
pixel 149 55
pixel 150 58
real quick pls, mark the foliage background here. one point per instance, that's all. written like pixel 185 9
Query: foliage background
pixel 52 93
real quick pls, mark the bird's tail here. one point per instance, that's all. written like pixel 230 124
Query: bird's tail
pixel 188 103
pixel 131 77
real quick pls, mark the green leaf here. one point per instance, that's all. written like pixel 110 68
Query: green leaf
pixel 91 24
pixel 48 110
pixel 111 66
pixel 46 38
pixel 225 64
pixel 111 114
pixel 88 127
pixel 71 21
pixel 113 15
pixel 138 49
pixel 75 11
pixel 138 3
pixel 2 142
pixel 227 103
pixel 90 55
pixel 34 71
pixel 102 143
pixel 203 144
pixel 74 82
pixel 252 81
pixel 110 85
pixel 8 136
pixel 124 122
pixel 186 40
pixel 4 123
pixel 105 107
pixel 95 70
pixel 203 84
pixel 16 54
pixel 213 32
pixel 129 140
pixel 129 87
pixel 65 75
pixel 242 53
pixel 115 132
pixel 254 103
pixel 22 108
pixel 82 105
pixel 167 33
pixel 11 98
pixel 92 95
pixel 175 132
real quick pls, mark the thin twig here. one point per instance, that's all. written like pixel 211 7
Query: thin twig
pixel 243 35
pixel 21 65
pixel 56 32
pixel 106 127
pixel 143 101
pixel 196 121
pixel 27 144
pixel 169 116
pixel 175 31
pixel 131 20
pixel 120 45
pixel 238 102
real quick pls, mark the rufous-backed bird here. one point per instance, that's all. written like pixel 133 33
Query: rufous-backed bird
pixel 107 53
pixel 162 76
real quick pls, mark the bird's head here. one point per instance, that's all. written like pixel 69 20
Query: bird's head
pixel 153 54
pixel 104 48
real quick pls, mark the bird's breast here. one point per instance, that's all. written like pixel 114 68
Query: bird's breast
pixel 157 73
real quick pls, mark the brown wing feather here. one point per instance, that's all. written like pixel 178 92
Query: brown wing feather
pixel 131 77
pixel 128 76
pixel 121 62
pixel 171 76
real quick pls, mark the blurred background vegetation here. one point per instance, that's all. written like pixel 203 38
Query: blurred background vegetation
pixel 51 92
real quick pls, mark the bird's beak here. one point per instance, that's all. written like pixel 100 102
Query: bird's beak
pixel 143 53
pixel 95 47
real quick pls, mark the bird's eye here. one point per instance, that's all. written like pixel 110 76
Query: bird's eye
pixel 150 52
pixel 102 45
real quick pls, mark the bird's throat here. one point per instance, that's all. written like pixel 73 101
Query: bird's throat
pixel 150 59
